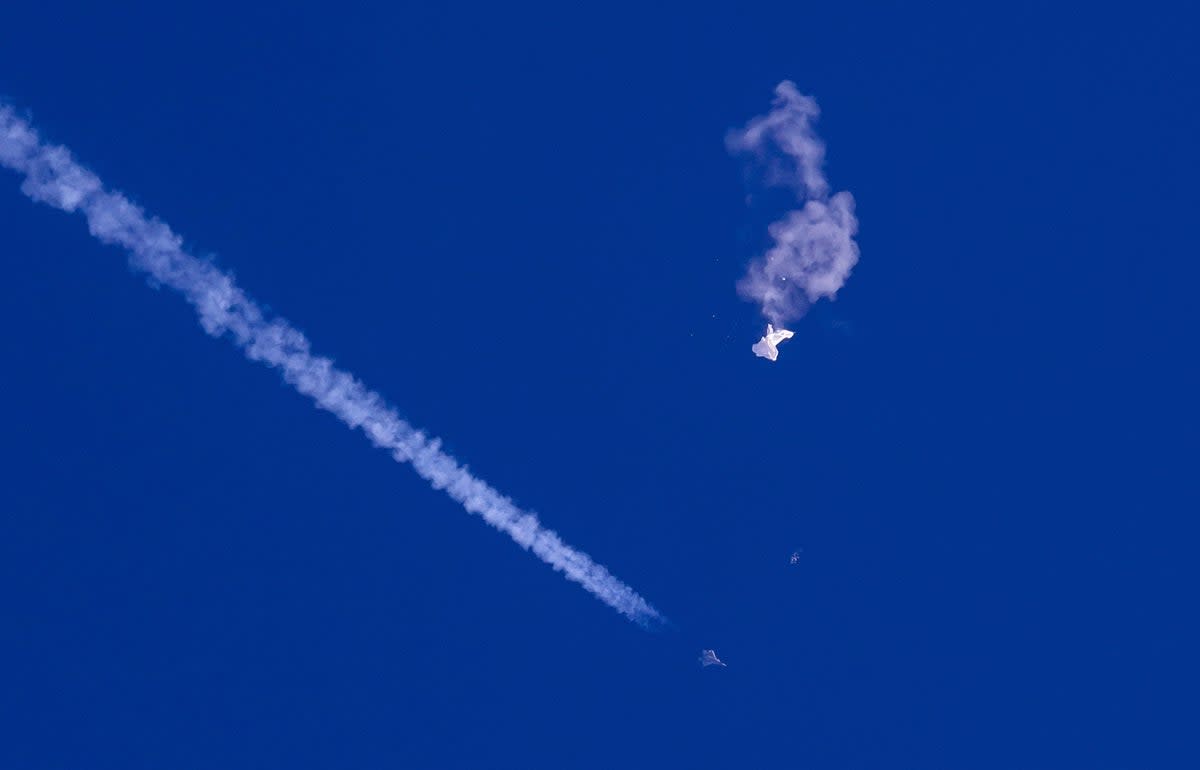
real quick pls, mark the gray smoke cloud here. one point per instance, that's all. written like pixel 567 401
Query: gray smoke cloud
pixel 813 248
pixel 52 177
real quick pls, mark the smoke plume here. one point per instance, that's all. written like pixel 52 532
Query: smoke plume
pixel 813 248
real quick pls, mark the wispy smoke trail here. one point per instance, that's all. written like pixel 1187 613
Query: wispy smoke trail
pixel 814 249
pixel 54 178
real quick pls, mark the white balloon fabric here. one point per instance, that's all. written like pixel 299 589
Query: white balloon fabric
pixel 767 346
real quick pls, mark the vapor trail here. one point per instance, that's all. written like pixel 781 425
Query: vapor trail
pixel 813 247
pixel 54 178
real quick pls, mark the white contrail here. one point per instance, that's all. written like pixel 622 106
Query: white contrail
pixel 54 178
pixel 814 249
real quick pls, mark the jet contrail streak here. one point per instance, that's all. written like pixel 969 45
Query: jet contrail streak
pixel 54 178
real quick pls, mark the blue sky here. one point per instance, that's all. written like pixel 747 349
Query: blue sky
pixel 522 227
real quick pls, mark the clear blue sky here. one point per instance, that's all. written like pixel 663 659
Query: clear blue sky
pixel 521 225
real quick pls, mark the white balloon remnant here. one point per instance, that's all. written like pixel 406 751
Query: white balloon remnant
pixel 766 347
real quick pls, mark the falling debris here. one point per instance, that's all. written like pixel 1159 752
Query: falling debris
pixel 709 658
pixel 766 347
pixel 795 557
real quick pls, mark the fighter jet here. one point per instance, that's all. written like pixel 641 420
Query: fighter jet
pixel 709 658
pixel 766 347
